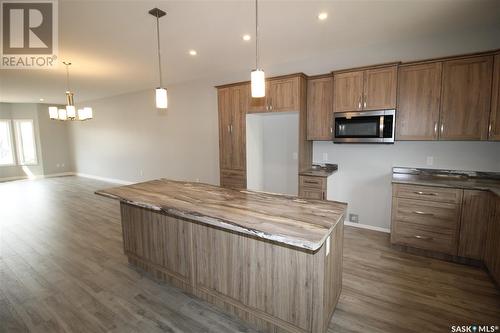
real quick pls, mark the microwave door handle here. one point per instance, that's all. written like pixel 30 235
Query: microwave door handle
pixel 381 127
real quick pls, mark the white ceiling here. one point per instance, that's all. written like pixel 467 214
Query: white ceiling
pixel 112 44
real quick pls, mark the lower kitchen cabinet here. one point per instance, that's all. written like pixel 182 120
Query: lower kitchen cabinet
pixel 426 218
pixel 476 211
pixel 492 250
pixel 311 187
pixel 449 223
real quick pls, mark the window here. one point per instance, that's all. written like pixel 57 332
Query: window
pixel 6 149
pixel 25 142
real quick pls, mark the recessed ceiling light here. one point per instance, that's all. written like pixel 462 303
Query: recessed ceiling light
pixel 41 100
pixel 246 37
pixel 322 16
pixel 193 52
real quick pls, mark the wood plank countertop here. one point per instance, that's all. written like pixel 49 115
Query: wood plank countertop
pixel 299 223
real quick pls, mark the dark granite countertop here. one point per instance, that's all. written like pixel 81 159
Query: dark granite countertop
pixel 320 170
pixel 470 180
pixel 300 223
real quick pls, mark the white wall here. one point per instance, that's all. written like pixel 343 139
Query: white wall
pixel 272 146
pixel 51 138
pixel 364 176
pixel 130 140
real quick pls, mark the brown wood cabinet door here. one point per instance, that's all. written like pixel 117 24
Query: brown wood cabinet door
pixel 494 126
pixel 419 92
pixel 476 212
pixel 225 120
pixel 239 105
pixel 320 109
pixel 465 101
pixel 379 88
pixel 283 95
pixel 348 91
pixel 492 252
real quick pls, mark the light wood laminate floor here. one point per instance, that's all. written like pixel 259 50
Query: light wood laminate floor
pixel 62 269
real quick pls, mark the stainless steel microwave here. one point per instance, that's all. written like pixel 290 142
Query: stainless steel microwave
pixel 364 126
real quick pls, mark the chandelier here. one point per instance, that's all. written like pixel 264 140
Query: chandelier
pixel 69 113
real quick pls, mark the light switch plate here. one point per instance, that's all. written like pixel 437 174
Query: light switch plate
pixel 430 160
pixel 325 157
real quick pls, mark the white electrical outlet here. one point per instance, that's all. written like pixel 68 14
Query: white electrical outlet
pixel 141 172
pixel 430 160
pixel 325 157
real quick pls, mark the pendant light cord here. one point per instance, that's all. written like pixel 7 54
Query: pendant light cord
pixel 256 34
pixel 158 40
pixel 67 76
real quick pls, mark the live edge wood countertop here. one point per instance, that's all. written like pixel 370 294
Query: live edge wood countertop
pixel 283 219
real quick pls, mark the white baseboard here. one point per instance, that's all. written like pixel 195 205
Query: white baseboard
pixel 9 179
pixel 104 179
pixel 366 226
pixel 62 174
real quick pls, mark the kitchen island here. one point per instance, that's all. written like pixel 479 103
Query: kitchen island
pixel 273 260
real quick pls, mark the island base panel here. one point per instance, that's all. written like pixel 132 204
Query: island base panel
pixel 273 287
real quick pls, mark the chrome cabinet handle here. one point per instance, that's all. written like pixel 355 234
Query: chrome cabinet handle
pixel 418 212
pixel 359 101
pixel 489 130
pixel 231 128
pixel 435 127
pixel 423 237
pixel 442 128
pixel 424 193
pixel 331 129
pixel 365 99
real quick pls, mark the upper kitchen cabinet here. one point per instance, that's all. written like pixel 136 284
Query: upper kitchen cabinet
pixel 494 126
pixel 368 89
pixel 283 94
pixel 320 108
pixel 419 93
pixel 348 91
pixel 379 88
pixel 466 97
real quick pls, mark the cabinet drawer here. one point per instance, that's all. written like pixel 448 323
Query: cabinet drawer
pixel 439 194
pixel 312 194
pixel 424 237
pixel 427 213
pixel 236 179
pixel 312 182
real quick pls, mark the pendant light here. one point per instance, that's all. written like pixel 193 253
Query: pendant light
pixel 160 92
pixel 258 78
pixel 69 113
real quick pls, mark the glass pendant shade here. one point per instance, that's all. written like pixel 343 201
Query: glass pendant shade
pixel 258 84
pixel 62 114
pixel 161 98
pixel 71 111
pixel 53 113
pixel 85 113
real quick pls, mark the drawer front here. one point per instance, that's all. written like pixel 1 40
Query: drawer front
pixel 431 193
pixel 312 194
pixel 424 237
pixel 427 213
pixel 233 179
pixel 312 182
